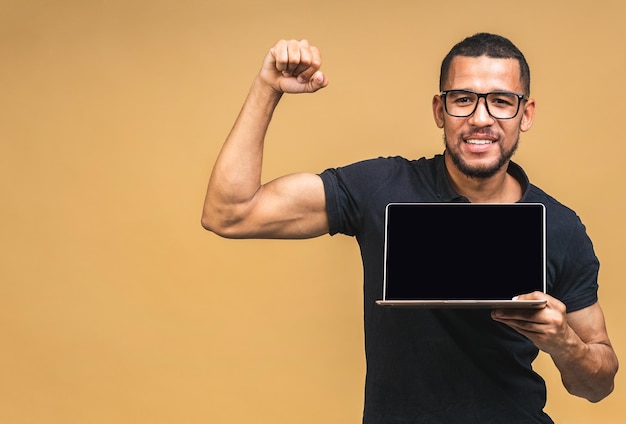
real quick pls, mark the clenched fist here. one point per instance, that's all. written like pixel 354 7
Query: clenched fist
pixel 293 66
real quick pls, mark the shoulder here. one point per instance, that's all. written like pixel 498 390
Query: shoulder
pixel 392 173
pixel 565 230
pixel 557 213
pixel 378 169
pixel 389 162
pixel 572 262
pixel 362 189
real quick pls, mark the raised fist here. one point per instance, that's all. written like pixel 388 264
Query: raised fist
pixel 293 66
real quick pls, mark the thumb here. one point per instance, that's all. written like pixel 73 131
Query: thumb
pixel 318 81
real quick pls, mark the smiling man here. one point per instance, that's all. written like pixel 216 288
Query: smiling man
pixel 481 131
pixel 431 366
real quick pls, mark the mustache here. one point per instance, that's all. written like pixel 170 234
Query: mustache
pixel 483 132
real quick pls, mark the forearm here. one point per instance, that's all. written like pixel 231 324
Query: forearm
pixel 577 342
pixel 587 369
pixel 236 175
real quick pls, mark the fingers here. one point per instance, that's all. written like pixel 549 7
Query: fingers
pixel 299 60
pixel 544 326
pixel 294 57
pixel 310 62
pixel 528 315
pixel 299 57
pixel 517 315
pixel 280 53
pixel 536 295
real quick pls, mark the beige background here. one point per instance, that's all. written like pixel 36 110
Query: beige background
pixel 116 307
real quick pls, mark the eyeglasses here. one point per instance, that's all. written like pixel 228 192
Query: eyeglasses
pixel 499 104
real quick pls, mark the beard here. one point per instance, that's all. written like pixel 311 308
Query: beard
pixel 481 172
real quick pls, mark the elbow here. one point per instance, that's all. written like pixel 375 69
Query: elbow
pixel 600 389
pixel 220 225
pixel 216 217
pixel 593 395
pixel 213 225
pixel 208 223
pixel 600 395
pixel 606 389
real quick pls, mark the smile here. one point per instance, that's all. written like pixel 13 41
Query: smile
pixel 479 142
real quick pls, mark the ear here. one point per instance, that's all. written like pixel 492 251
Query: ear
pixel 438 112
pixel 528 115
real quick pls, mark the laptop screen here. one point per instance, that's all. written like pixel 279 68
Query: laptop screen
pixel 459 251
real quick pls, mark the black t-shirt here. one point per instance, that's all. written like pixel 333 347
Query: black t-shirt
pixel 448 365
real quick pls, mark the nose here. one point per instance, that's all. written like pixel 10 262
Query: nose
pixel 481 116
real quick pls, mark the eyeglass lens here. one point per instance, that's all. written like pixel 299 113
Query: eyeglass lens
pixel 500 105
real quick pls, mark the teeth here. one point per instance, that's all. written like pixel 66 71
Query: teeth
pixel 478 141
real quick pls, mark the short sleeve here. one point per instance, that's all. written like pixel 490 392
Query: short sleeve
pixel 576 284
pixel 350 189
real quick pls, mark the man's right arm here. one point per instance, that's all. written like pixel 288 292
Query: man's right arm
pixel 237 205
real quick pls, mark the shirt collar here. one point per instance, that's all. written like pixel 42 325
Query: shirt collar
pixel 446 193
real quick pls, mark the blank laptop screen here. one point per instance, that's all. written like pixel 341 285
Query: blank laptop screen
pixel 463 251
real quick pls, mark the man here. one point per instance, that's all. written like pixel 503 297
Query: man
pixel 431 366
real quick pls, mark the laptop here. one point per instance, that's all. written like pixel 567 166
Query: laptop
pixel 464 255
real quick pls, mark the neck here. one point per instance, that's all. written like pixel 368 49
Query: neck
pixel 502 187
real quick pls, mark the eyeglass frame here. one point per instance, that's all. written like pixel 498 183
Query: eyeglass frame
pixel 520 98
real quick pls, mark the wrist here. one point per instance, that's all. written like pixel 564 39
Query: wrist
pixel 264 91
